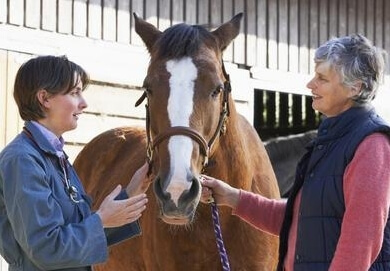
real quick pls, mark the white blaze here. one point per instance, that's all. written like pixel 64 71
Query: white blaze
pixel 180 103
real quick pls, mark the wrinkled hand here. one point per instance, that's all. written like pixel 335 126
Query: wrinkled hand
pixel 116 213
pixel 221 192
pixel 140 182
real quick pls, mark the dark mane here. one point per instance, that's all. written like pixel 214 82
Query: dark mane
pixel 181 40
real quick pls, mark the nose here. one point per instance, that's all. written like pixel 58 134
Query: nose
pixel 83 102
pixel 311 84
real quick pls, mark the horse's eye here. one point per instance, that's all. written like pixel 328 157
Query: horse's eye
pixel 217 91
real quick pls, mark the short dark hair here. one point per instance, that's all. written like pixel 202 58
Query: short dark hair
pixel 55 74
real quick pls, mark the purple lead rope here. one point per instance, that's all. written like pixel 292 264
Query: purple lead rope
pixel 218 236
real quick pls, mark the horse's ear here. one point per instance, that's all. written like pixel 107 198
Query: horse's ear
pixel 148 32
pixel 228 31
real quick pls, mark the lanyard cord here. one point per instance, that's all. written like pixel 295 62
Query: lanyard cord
pixel 71 190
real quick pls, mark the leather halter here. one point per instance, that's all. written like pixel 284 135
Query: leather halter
pixel 188 131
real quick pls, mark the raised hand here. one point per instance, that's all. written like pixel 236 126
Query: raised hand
pixel 115 213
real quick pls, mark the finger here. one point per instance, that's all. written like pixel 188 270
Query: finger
pixel 137 198
pixel 115 192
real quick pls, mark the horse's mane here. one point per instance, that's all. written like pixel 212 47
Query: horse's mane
pixel 182 40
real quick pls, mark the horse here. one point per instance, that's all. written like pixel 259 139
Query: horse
pixel 192 127
pixel 285 153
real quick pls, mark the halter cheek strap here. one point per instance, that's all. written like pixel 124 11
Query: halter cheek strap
pixel 188 131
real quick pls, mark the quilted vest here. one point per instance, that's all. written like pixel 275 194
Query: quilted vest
pixel 322 204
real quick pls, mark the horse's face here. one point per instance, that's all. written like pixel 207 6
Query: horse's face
pixel 184 86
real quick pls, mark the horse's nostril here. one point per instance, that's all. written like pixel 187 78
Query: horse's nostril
pixel 193 193
pixel 159 191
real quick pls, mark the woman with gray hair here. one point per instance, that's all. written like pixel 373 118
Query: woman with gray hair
pixel 337 214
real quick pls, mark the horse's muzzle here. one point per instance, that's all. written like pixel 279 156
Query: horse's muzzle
pixel 182 211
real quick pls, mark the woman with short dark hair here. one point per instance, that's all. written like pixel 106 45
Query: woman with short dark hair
pixel 46 221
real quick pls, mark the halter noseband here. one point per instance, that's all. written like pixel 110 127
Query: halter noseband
pixel 188 131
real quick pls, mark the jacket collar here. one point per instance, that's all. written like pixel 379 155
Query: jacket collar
pixel 41 140
pixel 335 127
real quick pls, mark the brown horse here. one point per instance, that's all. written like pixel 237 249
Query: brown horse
pixel 192 126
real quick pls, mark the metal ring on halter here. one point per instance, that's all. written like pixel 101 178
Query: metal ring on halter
pixel 210 200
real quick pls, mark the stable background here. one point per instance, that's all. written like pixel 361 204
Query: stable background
pixel 270 61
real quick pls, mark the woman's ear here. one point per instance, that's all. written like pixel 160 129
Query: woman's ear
pixel 356 89
pixel 43 97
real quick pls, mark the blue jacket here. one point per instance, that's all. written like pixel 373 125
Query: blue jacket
pixel 322 203
pixel 40 227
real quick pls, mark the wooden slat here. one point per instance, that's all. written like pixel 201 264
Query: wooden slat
pixel 272 35
pixel 123 21
pixel 95 14
pixel 227 14
pixel 3 96
pixel 352 15
pixel 33 13
pixel 283 36
pixel 65 12
pixel 203 12
pixel 370 19
pixel 216 12
pixel 190 12
pixel 16 12
pixel 386 31
pixel 343 16
pixel 90 126
pixel 164 19
pixel 151 11
pixel 113 101
pixel 304 58
pixel 333 19
pixel 293 33
pixel 239 42
pixel 361 16
pixel 13 121
pixel 109 20
pixel 323 21
pixel 177 11
pixel 137 7
pixel 3 11
pixel 49 15
pixel 261 22
pixel 314 38
pixel 378 23
pixel 80 18
pixel 251 39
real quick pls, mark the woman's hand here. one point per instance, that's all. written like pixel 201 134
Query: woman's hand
pixel 116 213
pixel 221 192
pixel 140 182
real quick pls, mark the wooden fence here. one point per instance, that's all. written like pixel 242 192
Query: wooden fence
pixel 269 62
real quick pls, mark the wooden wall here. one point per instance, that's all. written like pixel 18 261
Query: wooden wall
pixel 271 56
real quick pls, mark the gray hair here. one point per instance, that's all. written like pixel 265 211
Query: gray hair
pixel 357 61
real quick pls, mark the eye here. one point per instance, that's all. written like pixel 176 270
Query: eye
pixel 216 91
pixel 75 92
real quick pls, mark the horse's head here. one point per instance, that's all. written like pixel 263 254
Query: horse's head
pixel 187 94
